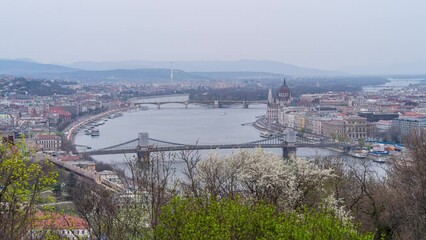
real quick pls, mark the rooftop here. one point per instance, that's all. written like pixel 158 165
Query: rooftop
pixel 47 220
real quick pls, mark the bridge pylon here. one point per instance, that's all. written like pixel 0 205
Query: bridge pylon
pixel 143 155
pixel 143 140
pixel 143 144
pixel 289 152
pixel 245 105
pixel 217 104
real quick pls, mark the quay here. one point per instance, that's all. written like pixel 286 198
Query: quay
pixel 70 130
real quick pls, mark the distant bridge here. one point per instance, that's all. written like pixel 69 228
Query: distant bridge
pixel 212 103
pixel 143 145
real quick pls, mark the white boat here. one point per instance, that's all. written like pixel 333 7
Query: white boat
pixel 359 155
pixel 95 132
pixel 100 123
pixel 378 157
pixel 265 134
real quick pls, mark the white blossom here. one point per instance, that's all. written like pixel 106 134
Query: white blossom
pixel 263 176
pixel 337 207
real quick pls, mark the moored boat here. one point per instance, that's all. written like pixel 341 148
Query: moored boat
pixel 378 156
pixel 95 132
pixel 100 123
pixel 359 154
pixel 265 134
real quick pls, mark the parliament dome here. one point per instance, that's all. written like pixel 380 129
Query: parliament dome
pixel 284 93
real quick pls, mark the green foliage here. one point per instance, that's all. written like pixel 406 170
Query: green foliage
pixel 57 190
pixel 71 183
pixel 229 219
pixel 22 178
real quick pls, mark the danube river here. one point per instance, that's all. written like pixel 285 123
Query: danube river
pixel 394 83
pixel 198 124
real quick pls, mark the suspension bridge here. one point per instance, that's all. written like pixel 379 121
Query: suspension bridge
pixel 144 145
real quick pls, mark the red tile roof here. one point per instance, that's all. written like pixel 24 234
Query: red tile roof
pixel 59 110
pixel 46 220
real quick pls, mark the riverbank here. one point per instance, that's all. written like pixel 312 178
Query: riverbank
pixel 262 124
pixel 74 126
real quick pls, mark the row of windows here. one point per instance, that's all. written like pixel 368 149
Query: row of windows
pixel 77 232
pixel 356 129
pixel 357 135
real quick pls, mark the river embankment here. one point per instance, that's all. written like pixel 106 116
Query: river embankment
pixel 71 130
pixel 262 124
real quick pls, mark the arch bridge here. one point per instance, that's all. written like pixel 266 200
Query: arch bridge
pixel 212 103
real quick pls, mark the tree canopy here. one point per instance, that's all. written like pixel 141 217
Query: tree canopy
pixel 22 178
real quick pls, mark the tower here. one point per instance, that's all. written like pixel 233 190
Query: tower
pixel 284 94
pixel 272 109
pixel 171 71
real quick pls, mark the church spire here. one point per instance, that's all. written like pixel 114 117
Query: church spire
pixel 284 82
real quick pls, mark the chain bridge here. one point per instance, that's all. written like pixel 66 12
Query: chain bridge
pixel 143 145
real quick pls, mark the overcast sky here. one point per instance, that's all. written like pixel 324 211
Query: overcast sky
pixel 325 34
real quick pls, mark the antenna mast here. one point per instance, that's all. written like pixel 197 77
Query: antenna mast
pixel 171 71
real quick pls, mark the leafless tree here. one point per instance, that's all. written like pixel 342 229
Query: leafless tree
pixel 407 181
pixel 133 212
pixel 152 181
pixel 365 194
pixel 256 176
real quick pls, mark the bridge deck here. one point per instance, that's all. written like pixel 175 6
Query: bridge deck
pixel 204 147
pixel 145 144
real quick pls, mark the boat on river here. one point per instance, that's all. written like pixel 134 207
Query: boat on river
pixel 378 156
pixel 359 154
pixel 94 132
pixel 265 134
pixel 100 123
pixel 115 115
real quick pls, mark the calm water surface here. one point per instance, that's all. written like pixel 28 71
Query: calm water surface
pixel 393 83
pixel 174 123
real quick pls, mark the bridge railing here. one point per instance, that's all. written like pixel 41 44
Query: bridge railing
pixel 155 145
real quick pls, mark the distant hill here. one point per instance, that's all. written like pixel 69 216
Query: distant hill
pixel 212 66
pixel 239 75
pixel 129 75
pixel 21 67
pixel 156 71
pixel 410 68
pixel 29 68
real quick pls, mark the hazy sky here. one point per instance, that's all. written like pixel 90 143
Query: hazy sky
pixel 313 33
